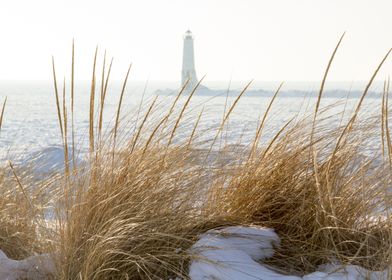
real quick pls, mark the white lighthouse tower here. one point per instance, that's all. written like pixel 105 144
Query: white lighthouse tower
pixel 188 62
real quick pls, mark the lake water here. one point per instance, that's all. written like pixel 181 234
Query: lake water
pixel 30 123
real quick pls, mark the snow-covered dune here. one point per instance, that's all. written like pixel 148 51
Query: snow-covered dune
pixel 236 253
pixel 231 253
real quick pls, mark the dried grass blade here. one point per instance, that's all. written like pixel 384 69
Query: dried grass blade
pixel 72 104
pixel 116 124
pixel 261 126
pixel 92 100
pixel 2 112
pixel 348 127
pixel 57 100
pixel 134 142
pixel 194 129
pixel 226 118
pixel 183 110
pixel 65 118
pixel 166 117
pixel 324 80
pixel 101 101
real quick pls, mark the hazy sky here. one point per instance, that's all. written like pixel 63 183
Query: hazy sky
pixel 238 39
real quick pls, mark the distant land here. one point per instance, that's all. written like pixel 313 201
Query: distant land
pixel 337 93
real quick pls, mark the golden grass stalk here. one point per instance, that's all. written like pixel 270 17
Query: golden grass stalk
pixel 2 112
pixel 382 116
pixel 104 87
pixel 222 125
pixel 101 100
pixel 261 125
pixel 387 131
pixel 191 137
pixel 349 125
pixel 119 107
pixel 167 116
pixel 140 105
pixel 73 103
pixel 103 78
pixel 325 79
pixel 314 153
pixel 183 110
pixel 225 108
pixel 92 102
pixel 57 100
pixel 136 138
pixel 65 118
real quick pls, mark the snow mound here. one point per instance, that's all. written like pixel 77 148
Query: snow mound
pixel 348 272
pixel 33 268
pixel 233 253
pixel 48 160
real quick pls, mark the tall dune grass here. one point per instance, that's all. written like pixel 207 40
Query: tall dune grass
pixel 142 199
pixel 23 228
pixel 312 183
pixel 323 211
pixel 2 112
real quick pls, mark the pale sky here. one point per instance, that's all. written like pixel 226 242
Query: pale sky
pixel 276 40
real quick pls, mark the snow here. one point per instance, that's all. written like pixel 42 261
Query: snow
pixel 232 253
pixel 31 125
pixel 235 253
pixel 349 272
pixel 48 160
pixel 34 267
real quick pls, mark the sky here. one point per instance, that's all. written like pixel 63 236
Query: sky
pixel 280 40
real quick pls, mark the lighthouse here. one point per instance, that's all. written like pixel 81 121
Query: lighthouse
pixel 188 62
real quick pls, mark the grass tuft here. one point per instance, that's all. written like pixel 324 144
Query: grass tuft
pixel 148 190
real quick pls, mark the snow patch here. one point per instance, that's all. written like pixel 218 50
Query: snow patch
pixel 33 268
pixel 48 160
pixel 234 253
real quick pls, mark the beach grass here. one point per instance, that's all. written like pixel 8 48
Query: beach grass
pixel 141 199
